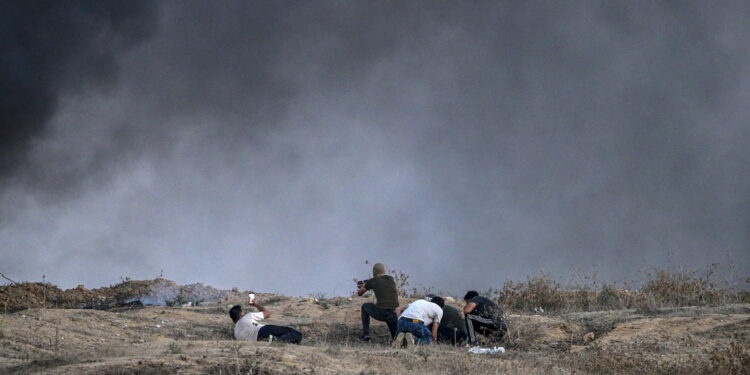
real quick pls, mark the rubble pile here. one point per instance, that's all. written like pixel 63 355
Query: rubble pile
pixel 131 293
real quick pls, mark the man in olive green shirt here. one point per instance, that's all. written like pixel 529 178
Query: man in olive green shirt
pixel 386 295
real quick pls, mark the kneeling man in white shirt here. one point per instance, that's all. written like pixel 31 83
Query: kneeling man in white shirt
pixel 417 316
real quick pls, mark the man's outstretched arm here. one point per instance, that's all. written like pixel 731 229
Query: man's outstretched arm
pixel 361 289
pixel 262 309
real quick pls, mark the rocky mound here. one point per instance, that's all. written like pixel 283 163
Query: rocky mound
pixel 159 292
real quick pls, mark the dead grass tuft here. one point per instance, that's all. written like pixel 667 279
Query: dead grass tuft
pixel 660 289
pixel 537 292
pixel 733 360
pixel 636 360
pixel 48 362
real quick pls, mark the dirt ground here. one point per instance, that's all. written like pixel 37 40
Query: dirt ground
pixel 197 340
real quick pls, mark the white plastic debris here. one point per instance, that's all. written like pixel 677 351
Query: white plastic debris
pixel 481 350
pixel 158 326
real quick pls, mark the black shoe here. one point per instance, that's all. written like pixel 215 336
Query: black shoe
pixel 365 338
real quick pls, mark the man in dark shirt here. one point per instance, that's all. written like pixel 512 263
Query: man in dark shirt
pixel 386 296
pixel 453 326
pixel 484 316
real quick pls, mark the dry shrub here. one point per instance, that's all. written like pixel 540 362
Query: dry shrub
pixel 610 362
pixel 660 289
pixel 732 360
pixel 611 298
pixel 402 285
pixel 631 360
pixel 241 366
pixel 174 348
pixel 274 299
pixel 537 292
pixel 688 288
pixel 402 282
pixel 522 335
pixel 44 363
pixel 543 294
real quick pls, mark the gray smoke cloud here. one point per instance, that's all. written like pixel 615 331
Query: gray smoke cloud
pixel 49 48
pixel 278 145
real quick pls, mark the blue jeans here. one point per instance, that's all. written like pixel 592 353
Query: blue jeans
pixel 421 333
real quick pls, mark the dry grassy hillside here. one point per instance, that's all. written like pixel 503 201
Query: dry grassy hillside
pixel 134 339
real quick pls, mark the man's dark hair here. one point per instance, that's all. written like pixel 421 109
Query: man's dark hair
pixel 438 301
pixel 471 294
pixel 235 313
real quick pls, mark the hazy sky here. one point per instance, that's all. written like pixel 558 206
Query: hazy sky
pixel 277 145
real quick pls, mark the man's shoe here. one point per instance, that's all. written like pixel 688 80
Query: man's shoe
pixel 365 338
pixel 398 341
pixel 409 340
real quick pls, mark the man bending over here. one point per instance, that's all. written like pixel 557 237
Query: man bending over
pixel 453 325
pixel 484 316
pixel 247 328
pixel 417 317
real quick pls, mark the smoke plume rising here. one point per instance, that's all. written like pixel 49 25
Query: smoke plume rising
pixel 278 145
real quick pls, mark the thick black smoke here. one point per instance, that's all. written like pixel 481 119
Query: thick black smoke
pixel 51 47
pixel 276 145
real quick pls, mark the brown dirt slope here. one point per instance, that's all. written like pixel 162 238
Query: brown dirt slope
pixel 197 340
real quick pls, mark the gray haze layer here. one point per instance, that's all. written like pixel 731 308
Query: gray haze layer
pixel 278 145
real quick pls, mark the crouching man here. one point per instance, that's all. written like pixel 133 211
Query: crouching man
pixel 247 328
pixel 453 326
pixel 416 317
pixel 386 295
pixel 484 316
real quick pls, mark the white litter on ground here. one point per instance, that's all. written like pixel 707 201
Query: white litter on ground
pixel 481 350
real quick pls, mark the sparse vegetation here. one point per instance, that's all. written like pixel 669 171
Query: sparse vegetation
pixel 274 299
pixel 537 292
pixel 730 360
pixel 554 328
pixel 734 360
pixel 660 289
pixel 174 348
pixel 688 288
pixel 234 347
pixel 321 300
pixel 402 282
